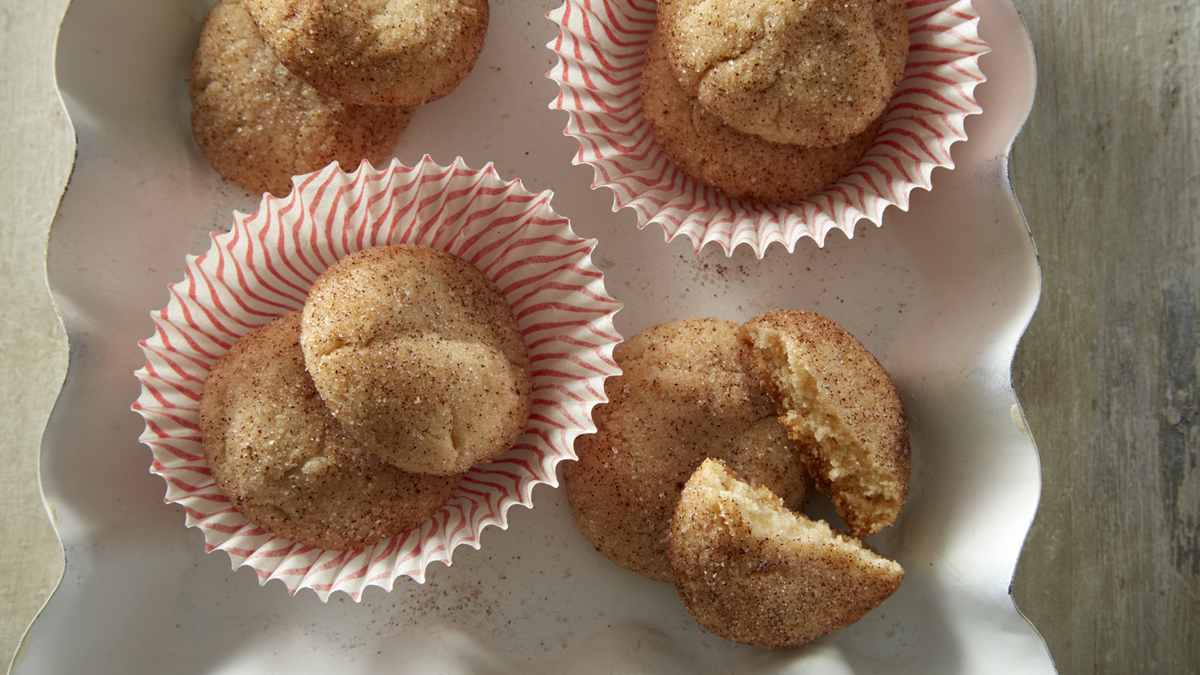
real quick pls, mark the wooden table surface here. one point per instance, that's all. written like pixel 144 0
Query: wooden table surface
pixel 1108 172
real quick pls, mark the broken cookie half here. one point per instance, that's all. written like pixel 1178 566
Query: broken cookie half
pixel 840 406
pixel 753 572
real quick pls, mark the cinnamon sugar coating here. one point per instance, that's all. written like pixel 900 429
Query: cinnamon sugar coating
pixel 685 393
pixel 739 165
pixel 419 356
pixel 286 464
pixel 376 52
pixel 259 125
pixel 813 73
pixel 752 571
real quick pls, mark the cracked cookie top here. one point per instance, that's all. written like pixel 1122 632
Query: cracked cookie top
pixel 812 73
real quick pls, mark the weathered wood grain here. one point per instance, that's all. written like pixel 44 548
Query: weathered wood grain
pixel 37 149
pixel 1107 171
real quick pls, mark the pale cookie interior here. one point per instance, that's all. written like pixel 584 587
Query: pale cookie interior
pixel 864 470
pixel 753 572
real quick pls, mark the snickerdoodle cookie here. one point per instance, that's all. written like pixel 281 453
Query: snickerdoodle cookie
pixel 417 353
pixel 841 407
pixel 685 394
pixel 380 52
pixel 753 572
pixel 739 165
pixel 259 125
pixel 813 73
pixel 287 465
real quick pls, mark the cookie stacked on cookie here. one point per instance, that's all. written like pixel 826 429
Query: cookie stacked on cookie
pixel 353 420
pixel 686 392
pixel 419 356
pixel 285 87
pixel 705 455
pixel 769 100
pixel 288 465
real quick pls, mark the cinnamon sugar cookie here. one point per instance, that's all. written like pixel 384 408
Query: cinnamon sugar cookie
pixel 259 125
pixel 287 465
pixel 379 52
pixel 813 73
pixel 419 356
pixel 739 165
pixel 841 407
pixel 753 572
pixel 684 394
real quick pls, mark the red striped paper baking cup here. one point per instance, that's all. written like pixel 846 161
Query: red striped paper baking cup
pixel 263 268
pixel 601 48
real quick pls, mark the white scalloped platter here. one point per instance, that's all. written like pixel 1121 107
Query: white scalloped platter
pixel 941 292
